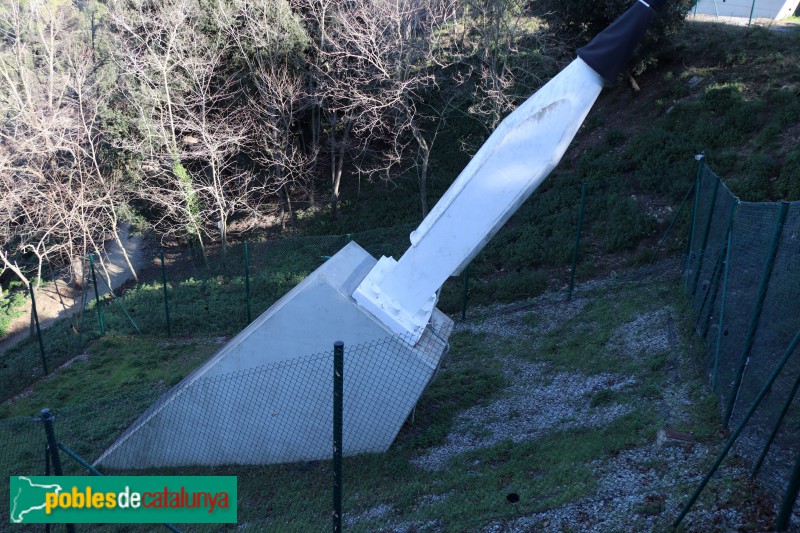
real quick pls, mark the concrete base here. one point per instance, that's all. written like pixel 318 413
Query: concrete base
pixel 265 398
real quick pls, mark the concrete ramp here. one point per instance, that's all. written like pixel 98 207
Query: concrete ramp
pixel 264 399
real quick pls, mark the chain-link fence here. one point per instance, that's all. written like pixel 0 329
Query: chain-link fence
pixel 741 273
pixel 219 290
pixel 217 293
pixel 743 276
pixel 277 413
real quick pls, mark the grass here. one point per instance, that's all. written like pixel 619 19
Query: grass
pixel 95 399
pixel 115 365
pixel 11 306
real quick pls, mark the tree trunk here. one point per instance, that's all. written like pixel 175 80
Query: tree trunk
pixel 125 255
pixel 289 207
pixel 334 182
pixel 425 154
pixel 337 162
pixel 78 271
pixel 203 250
pixel 286 205
pixel 282 214
pixel 423 183
pixel 223 228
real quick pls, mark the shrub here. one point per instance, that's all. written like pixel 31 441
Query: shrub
pixel 625 224
pixel 752 183
pixel 519 285
pixel 10 308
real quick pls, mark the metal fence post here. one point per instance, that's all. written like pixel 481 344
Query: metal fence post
pixel 166 301
pixel 38 329
pixel 706 231
pixel 466 294
pixel 84 295
pixel 47 473
pixel 247 282
pixel 724 256
pixel 752 10
pixel 95 472
pixel 782 522
pixel 753 325
pixel 338 390
pixel 671 224
pixel 52 444
pixel 690 240
pixel 97 296
pixel 119 303
pixel 577 242
pixel 722 305
pixel 775 428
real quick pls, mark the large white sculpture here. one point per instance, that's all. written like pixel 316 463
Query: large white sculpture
pixel 261 400
pixel 510 165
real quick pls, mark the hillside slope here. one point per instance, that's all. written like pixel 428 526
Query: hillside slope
pixel 730 92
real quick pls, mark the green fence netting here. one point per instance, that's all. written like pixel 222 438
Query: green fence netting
pixel 743 277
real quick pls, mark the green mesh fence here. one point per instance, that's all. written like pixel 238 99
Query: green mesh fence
pixel 210 295
pixel 260 416
pixel 203 294
pixel 746 338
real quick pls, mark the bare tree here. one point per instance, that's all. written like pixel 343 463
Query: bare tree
pixel 271 41
pixel 190 124
pixel 373 68
pixel 58 202
pixel 276 106
pixel 498 45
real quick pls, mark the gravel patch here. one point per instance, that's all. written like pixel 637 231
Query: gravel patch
pixel 383 511
pixel 431 499
pixel 535 402
pixel 639 490
pixel 647 335
pixel 414 527
pixel 549 310
pixel 379 512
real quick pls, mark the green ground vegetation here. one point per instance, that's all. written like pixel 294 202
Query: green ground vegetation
pixel 98 395
pixel 11 306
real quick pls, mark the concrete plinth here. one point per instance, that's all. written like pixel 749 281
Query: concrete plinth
pixel 266 398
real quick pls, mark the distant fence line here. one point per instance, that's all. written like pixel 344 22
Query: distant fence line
pixel 224 291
